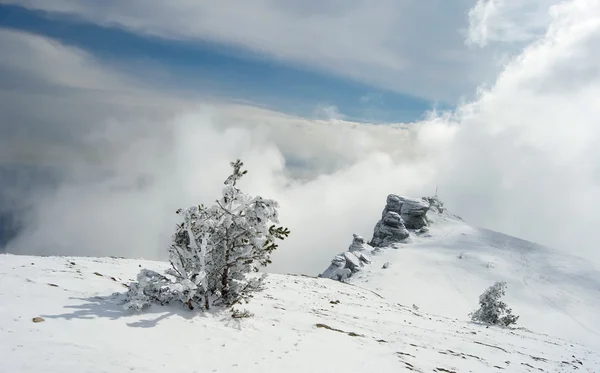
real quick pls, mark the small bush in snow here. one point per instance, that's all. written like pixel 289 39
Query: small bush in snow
pixel 214 252
pixel 492 310
pixel 237 314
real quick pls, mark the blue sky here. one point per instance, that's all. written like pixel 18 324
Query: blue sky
pixel 219 71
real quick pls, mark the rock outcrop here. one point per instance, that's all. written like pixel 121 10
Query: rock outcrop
pixel 389 230
pixel 412 211
pixel 358 244
pixel 400 218
pixel 346 264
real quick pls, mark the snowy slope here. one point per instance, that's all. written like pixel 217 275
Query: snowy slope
pixel 446 270
pixel 301 325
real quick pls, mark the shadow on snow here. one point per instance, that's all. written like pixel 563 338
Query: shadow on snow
pixel 109 307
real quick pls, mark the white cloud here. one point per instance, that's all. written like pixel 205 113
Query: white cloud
pixel 409 46
pixel 69 67
pixel 330 112
pixel 522 158
pixel 50 92
pixel 525 158
pixel 508 21
pixel 128 162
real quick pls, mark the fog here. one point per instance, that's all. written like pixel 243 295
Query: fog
pixel 522 158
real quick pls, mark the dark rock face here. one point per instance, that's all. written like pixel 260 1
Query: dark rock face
pixel 393 203
pixel 392 219
pixel 389 230
pixel 412 211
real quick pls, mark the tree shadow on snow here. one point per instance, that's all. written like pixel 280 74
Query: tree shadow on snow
pixel 108 307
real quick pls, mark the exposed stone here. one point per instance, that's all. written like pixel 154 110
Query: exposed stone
pixel 349 262
pixel 352 261
pixel 413 213
pixel 398 216
pixel 362 257
pixel 393 203
pixel 337 269
pixel 392 219
pixel 389 230
pixel 358 243
pixel 339 261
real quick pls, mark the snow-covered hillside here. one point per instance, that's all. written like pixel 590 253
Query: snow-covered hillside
pixel 445 269
pixel 301 324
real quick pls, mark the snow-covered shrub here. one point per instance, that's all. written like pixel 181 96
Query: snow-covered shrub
pixel 152 287
pixel 214 252
pixel 241 314
pixel 491 309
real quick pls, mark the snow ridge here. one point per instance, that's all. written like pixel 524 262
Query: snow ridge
pixel 446 265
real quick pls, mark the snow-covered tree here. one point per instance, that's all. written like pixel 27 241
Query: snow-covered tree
pixel 491 309
pixel 215 251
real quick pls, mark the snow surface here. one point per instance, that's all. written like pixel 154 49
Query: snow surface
pixel 445 270
pixel 301 324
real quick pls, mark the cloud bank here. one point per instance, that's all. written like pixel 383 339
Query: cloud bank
pixel 522 158
pixel 508 21
pixel 406 46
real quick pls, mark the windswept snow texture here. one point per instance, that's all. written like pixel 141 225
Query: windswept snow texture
pixel 445 270
pixel 300 325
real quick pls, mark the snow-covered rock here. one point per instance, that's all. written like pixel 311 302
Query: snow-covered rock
pixel 358 243
pixel 362 257
pixel 344 265
pixel 435 204
pixel 389 230
pixel 412 211
pixel 337 270
pixel 352 261
pixel 393 203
